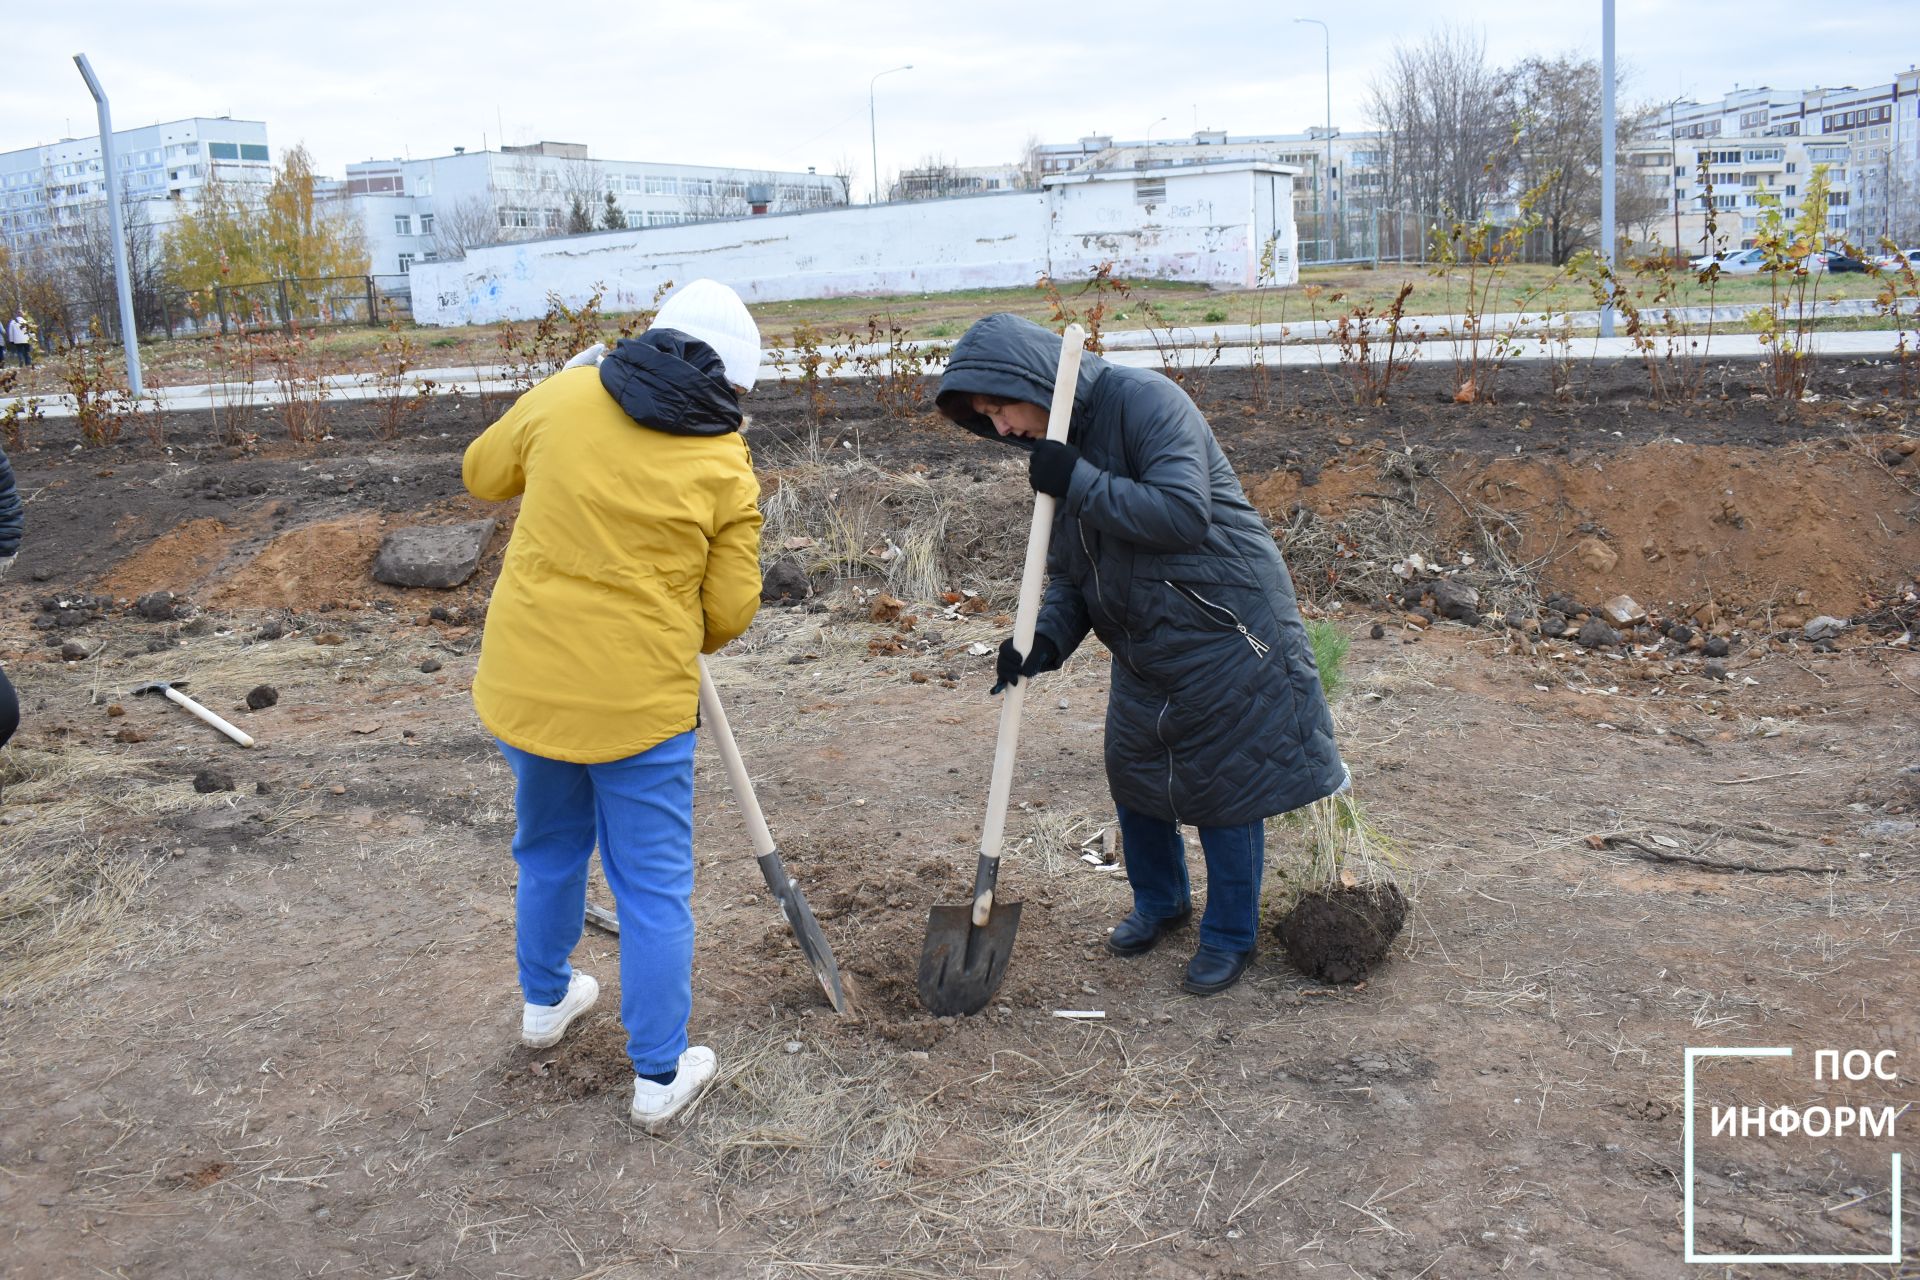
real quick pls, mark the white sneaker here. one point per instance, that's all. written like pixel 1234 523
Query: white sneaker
pixel 656 1104
pixel 542 1025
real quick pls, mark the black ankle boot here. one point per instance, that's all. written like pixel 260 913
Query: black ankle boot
pixel 1136 935
pixel 1212 970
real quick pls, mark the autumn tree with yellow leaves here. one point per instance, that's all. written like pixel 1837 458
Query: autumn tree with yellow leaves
pixel 233 236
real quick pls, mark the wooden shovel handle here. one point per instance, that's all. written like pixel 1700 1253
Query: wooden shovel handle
pixel 1059 417
pixel 715 717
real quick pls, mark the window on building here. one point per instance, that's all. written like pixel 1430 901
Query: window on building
pixel 426 224
pixel 1149 190
pixel 1790 189
pixel 253 151
pixel 223 150
pixel 403 224
pixel 406 261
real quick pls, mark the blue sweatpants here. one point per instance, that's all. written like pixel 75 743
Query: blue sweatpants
pixel 640 812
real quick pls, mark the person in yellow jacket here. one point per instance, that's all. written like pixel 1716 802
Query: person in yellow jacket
pixel 637 548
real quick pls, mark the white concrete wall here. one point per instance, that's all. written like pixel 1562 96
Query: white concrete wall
pixel 1210 229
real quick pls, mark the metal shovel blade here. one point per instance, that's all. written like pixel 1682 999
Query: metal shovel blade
pixel 806 930
pixel 962 963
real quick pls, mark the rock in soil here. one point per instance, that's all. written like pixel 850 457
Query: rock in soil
pixel 1376 632
pixel 1455 600
pixel 442 556
pixel 208 781
pixel 74 651
pixel 1716 669
pixel 785 580
pixel 430 666
pixel 1595 634
pixel 1717 647
pixel 261 697
pixel 1340 934
pixel 1824 627
pixel 155 606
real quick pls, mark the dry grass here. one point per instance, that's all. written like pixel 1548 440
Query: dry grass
pixel 1020 1147
pixel 919 536
pixel 71 862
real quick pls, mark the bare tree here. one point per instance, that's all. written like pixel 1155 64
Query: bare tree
pixel 722 196
pixel 1554 103
pixel 933 177
pixel 472 223
pixel 1444 136
pixel 844 169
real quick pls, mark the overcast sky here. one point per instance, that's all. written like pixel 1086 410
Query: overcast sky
pixel 785 85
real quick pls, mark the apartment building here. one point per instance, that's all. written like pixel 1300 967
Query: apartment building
pixel 420 210
pixel 163 166
pixel 1868 136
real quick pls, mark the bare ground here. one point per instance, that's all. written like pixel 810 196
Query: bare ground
pixel 272 1030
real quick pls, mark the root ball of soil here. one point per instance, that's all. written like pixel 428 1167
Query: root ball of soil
pixel 261 697
pixel 1340 934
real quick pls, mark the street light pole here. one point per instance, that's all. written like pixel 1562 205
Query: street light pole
pixel 1326 176
pixel 873 130
pixel 122 281
pixel 1609 239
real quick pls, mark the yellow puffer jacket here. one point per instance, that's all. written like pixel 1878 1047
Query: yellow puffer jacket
pixel 635 550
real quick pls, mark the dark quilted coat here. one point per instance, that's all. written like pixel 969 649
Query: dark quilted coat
pixel 1216 717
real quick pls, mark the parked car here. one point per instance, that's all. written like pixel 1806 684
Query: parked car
pixel 1746 262
pixel 1894 261
pixel 1706 260
pixel 1832 261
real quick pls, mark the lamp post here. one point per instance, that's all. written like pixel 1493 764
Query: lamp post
pixel 1326 177
pixel 873 130
pixel 128 336
pixel 1609 240
pixel 1155 125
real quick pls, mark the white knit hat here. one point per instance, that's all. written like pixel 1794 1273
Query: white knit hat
pixel 713 313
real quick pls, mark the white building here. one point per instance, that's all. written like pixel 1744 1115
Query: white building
pixel 165 166
pixel 1229 223
pixel 1870 138
pixel 1351 169
pixel 421 210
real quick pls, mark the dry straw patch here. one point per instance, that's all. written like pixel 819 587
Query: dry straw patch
pixel 71 864
pixel 1021 1147
pixel 918 535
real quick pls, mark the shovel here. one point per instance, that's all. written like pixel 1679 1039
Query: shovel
pixel 813 943
pixel 968 944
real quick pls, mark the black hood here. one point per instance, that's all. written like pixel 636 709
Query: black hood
pixel 1005 355
pixel 671 382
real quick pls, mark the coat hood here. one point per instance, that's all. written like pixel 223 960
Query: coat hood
pixel 671 382
pixel 1006 355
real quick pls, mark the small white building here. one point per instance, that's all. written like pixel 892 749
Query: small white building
pixel 1228 224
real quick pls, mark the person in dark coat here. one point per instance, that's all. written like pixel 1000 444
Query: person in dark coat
pixel 1215 717
pixel 12 524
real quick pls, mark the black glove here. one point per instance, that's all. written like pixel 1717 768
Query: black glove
pixel 1011 666
pixel 1050 467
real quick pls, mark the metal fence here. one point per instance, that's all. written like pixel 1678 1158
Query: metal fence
pixel 337 300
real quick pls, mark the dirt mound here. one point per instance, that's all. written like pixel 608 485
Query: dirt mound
pixel 176 561
pixel 1810 529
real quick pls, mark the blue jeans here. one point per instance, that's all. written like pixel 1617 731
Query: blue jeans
pixel 1156 861
pixel 640 812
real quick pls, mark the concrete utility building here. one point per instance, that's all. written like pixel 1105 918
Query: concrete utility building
pixel 164 166
pixel 1227 223
pixel 423 210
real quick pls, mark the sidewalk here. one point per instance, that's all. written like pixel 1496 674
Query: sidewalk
pixel 1129 347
